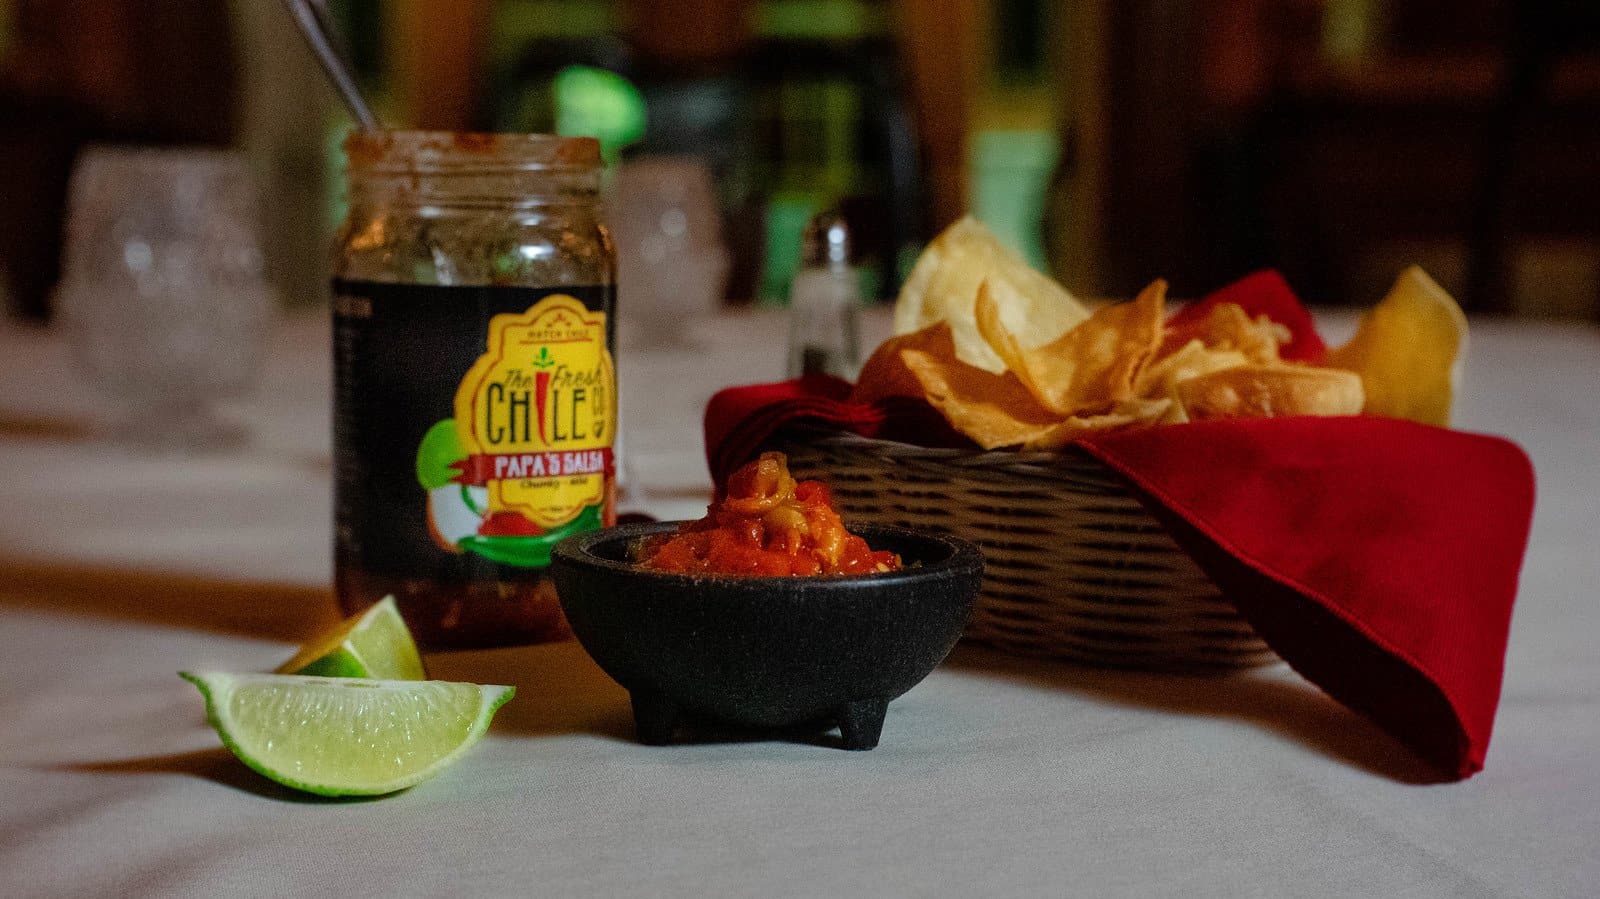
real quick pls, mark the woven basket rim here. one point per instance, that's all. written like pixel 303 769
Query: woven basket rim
pixel 965 457
pixel 972 455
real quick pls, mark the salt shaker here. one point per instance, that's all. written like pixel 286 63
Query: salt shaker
pixel 824 303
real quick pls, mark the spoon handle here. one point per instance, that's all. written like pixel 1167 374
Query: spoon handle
pixel 312 19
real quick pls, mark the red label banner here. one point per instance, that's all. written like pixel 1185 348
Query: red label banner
pixel 479 469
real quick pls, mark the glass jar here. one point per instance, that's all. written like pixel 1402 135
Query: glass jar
pixel 475 401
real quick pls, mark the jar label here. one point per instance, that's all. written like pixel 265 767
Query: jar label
pixel 535 414
pixel 474 425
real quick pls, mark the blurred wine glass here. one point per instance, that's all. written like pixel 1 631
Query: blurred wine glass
pixel 163 289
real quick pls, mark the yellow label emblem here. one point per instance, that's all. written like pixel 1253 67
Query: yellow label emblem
pixel 538 412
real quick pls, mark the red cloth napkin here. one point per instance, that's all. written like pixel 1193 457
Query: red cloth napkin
pixel 1378 557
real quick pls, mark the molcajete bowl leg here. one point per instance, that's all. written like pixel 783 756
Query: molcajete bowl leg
pixel 861 723
pixel 655 717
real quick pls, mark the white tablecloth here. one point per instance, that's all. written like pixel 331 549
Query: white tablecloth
pixel 996 776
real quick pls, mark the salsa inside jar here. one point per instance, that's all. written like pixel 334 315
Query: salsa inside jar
pixel 767 523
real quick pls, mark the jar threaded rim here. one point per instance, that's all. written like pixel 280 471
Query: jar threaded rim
pixel 467 153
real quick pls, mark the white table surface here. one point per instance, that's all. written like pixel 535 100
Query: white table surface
pixel 996 776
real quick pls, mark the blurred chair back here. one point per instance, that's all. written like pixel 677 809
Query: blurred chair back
pixel 834 124
pixel 812 112
pixel 521 93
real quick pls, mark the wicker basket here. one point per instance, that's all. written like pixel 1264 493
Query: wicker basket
pixel 1076 567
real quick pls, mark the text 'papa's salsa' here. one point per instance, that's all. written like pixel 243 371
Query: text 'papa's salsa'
pixel 767 524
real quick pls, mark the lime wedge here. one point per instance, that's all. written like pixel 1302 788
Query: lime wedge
pixel 341 736
pixel 373 644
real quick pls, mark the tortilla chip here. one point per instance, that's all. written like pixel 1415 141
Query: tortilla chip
pixel 943 287
pixel 1191 361
pixel 1000 338
pixel 1271 391
pixel 1091 367
pixel 1134 413
pixel 885 374
pixel 1161 378
pixel 1227 327
pixel 993 410
pixel 1408 351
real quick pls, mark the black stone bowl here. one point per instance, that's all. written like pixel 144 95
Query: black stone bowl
pixel 766 652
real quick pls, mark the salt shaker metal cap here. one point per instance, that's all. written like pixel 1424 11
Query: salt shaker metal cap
pixel 826 242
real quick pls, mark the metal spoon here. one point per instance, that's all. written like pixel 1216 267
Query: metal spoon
pixel 313 19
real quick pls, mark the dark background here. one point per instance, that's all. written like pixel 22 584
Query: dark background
pixel 1112 140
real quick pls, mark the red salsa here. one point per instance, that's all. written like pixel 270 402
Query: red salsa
pixel 767 524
